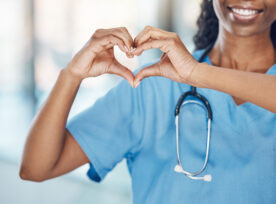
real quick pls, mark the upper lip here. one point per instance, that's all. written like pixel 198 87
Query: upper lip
pixel 244 7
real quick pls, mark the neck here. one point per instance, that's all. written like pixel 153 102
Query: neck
pixel 251 53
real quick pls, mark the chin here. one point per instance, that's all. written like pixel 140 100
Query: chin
pixel 245 30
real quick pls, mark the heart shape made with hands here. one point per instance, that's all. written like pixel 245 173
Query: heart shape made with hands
pixel 176 63
pixel 126 73
pixel 146 71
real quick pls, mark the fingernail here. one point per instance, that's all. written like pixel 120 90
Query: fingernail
pixel 137 84
pixel 136 52
pixel 129 49
pixel 129 55
pixel 126 49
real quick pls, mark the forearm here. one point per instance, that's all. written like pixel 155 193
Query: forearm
pixel 256 88
pixel 46 136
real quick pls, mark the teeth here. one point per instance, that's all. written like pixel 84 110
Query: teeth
pixel 244 12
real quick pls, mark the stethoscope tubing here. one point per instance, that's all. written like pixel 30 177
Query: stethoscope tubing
pixel 207 142
pixel 206 105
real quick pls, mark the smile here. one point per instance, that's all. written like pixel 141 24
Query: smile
pixel 244 14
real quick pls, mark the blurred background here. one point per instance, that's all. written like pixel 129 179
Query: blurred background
pixel 38 38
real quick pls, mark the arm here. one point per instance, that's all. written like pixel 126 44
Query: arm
pixel 257 88
pixel 178 65
pixel 47 137
pixel 50 150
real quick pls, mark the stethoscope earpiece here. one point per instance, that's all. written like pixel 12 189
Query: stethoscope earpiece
pixel 178 168
pixel 207 177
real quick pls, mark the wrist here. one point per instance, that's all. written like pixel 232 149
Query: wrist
pixel 198 74
pixel 73 78
pixel 187 71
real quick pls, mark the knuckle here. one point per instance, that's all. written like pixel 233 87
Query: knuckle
pixel 99 30
pixel 109 38
pixel 175 36
pixel 114 30
pixel 172 41
pixel 119 29
pixel 148 27
pixel 94 35
pixel 123 28
pixel 91 42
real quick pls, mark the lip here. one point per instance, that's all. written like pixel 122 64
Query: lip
pixel 242 18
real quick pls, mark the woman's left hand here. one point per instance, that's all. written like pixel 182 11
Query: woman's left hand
pixel 176 62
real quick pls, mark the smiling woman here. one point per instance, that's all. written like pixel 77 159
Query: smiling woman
pixel 234 69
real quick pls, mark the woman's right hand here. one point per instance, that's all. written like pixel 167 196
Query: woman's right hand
pixel 97 55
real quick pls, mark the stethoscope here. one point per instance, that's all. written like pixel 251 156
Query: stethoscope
pixel 206 105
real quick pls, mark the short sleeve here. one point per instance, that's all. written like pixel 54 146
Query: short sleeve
pixel 110 129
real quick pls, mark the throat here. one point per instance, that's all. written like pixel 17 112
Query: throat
pixel 254 53
pixel 247 61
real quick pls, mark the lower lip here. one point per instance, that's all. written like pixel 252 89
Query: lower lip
pixel 244 18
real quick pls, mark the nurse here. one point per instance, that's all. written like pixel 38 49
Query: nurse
pixel 237 77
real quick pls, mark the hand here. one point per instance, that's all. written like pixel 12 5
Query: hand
pixel 97 55
pixel 176 62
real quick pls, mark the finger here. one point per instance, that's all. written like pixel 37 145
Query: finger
pixel 120 32
pixel 129 37
pixel 153 34
pixel 129 54
pixel 122 71
pixel 136 39
pixel 152 70
pixel 123 49
pixel 123 34
pixel 130 40
pixel 150 33
pixel 163 45
pixel 100 44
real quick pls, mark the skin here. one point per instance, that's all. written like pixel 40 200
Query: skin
pixel 238 42
pixel 247 51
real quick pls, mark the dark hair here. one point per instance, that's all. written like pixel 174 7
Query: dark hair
pixel 208 27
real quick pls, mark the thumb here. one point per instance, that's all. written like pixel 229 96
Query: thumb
pixel 152 70
pixel 122 71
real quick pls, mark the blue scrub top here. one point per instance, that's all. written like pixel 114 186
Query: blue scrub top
pixel 139 125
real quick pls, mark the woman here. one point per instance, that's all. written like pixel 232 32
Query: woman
pixel 237 77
